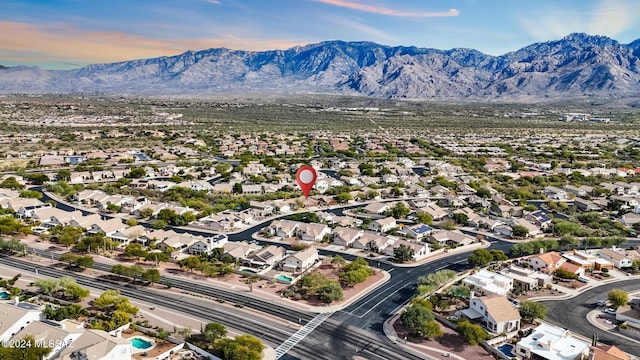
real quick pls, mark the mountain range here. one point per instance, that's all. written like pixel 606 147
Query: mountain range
pixel 579 65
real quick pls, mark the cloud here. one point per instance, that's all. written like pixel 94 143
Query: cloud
pixel 612 17
pixel 215 2
pixel 606 17
pixel 366 31
pixel 29 43
pixel 387 11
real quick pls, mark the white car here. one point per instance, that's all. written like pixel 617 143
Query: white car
pixel 609 311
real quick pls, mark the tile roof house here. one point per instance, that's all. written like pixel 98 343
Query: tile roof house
pixel 345 236
pixel 618 257
pixel 268 256
pixel 372 241
pixel 383 225
pixel 496 313
pixel 419 231
pixel 376 208
pixel 48 333
pixel 313 231
pixel 607 352
pixel 284 228
pixel 300 261
pixel 17 316
pixel 420 250
pixel 206 245
pixel 545 262
pixel 96 344
pixel 446 237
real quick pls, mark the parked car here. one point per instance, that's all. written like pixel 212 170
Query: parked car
pixel 609 311
pixel 583 279
pixel 602 303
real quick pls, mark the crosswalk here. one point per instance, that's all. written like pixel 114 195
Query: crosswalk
pixel 301 334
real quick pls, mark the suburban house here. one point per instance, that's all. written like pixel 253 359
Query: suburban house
pixel 376 208
pixel 555 193
pixel 107 227
pixel 552 343
pixel 607 352
pixel 97 344
pixel 420 250
pixel 206 245
pixel 525 278
pixel 418 231
pixel 313 232
pixel 383 225
pixel 284 228
pixel 435 211
pixel 586 205
pixel 587 261
pixel 128 234
pixel 539 218
pixel 49 333
pixel 487 282
pixel 618 257
pixel 496 313
pixel 50 217
pixel 300 261
pixel 345 236
pixel 545 262
pixel 450 238
pixel 84 222
pixel 239 251
pixel 268 256
pixel 372 241
pixel 16 317
pixel 532 229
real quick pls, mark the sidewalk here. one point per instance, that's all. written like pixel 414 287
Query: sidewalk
pixel 570 293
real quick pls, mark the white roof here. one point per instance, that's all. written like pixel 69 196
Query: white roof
pixel 563 346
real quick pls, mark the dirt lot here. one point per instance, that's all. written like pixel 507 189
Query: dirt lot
pixel 449 342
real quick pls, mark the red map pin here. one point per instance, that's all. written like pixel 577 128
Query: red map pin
pixel 306 177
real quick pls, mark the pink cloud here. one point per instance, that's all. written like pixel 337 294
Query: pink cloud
pixel 65 43
pixel 387 11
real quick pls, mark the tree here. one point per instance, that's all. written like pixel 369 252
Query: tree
pixel 498 255
pixel 460 218
pixel 159 224
pixel 69 258
pixel 403 253
pixel 152 276
pixel 131 222
pixel 46 286
pixel 214 331
pixel 135 250
pixel 519 231
pixel 460 291
pixel 84 262
pixel 480 257
pixel 470 333
pixel 75 291
pixel 136 173
pixel 339 261
pixel 415 316
pixel 69 235
pixel 191 262
pixel 243 347
pixel 431 329
pixel 424 217
pixel 618 297
pixel 330 292
pixel 343 198
pixel 566 274
pixel 237 188
pixel 400 211
pixel 532 310
pixel 32 351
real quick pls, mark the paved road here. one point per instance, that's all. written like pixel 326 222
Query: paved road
pixel 572 314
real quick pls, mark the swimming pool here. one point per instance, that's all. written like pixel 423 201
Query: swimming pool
pixel 141 344
pixel 506 349
pixel 4 295
pixel 284 278
pixel 249 271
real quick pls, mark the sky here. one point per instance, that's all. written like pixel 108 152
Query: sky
pixel 66 34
